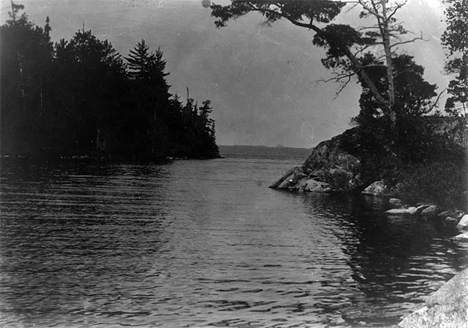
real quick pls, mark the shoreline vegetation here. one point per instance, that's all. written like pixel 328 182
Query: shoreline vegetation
pixel 79 99
pixel 352 163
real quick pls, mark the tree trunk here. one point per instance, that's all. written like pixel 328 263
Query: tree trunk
pixel 389 63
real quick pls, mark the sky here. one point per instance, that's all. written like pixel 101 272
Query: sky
pixel 264 82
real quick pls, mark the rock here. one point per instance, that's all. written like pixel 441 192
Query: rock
pixel 395 203
pixel 401 212
pixel 463 224
pixel 314 186
pixel 458 214
pixel 430 211
pixel 377 188
pixel 332 164
pixel 451 222
pixel 461 237
pixel 290 179
pixel 445 308
pixel 420 209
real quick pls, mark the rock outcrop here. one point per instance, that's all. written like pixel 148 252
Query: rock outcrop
pixel 446 308
pixel 330 163
pixel 329 168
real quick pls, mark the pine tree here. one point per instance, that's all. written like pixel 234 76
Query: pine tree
pixel 151 97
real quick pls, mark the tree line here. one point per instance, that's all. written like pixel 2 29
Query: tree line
pixel 80 97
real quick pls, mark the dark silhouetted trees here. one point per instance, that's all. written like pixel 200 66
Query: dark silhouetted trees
pixel 80 97
pixel 25 60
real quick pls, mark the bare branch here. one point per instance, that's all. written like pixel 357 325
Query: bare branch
pixel 373 11
pixel 362 49
pixel 353 6
pixel 338 77
pixel 407 41
pixel 347 77
pixel 437 100
pixel 397 7
pixel 342 87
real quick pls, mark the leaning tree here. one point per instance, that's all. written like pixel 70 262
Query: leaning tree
pixel 350 51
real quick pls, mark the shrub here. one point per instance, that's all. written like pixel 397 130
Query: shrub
pixel 442 183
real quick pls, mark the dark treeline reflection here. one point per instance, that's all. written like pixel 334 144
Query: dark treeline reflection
pixel 393 261
pixel 80 97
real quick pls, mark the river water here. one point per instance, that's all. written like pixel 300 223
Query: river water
pixel 205 244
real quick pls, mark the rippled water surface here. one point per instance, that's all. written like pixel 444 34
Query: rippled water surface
pixel 205 244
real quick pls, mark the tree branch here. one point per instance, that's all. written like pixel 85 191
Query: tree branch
pixel 407 41
pixel 437 100
pixel 397 7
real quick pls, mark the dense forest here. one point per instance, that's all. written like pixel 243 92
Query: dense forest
pixel 80 98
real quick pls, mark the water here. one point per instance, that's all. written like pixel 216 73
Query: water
pixel 205 244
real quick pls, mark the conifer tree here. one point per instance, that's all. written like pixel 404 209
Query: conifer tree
pixel 25 55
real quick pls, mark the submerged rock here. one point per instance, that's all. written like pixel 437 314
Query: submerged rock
pixel 446 308
pixel 401 212
pixel 395 202
pixel 406 211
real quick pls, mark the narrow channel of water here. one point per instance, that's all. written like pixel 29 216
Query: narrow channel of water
pixel 205 244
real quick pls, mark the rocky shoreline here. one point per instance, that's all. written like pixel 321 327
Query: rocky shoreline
pixel 332 168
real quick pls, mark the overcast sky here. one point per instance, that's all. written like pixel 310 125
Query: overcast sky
pixel 262 81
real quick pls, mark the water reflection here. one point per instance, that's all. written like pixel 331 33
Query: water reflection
pixel 393 261
pixel 204 243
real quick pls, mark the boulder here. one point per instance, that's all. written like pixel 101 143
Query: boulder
pixel 462 237
pixel 395 203
pixel 313 185
pixel 430 211
pixel 334 165
pixel 463 224
pixel 377 188
pixel 446 308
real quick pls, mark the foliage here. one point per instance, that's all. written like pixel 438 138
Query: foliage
pixel 25 60
pixel 419 142
pixel 455 39
pixel 412 93
pixel 443 183
pixel 80 97
pixel 321 11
